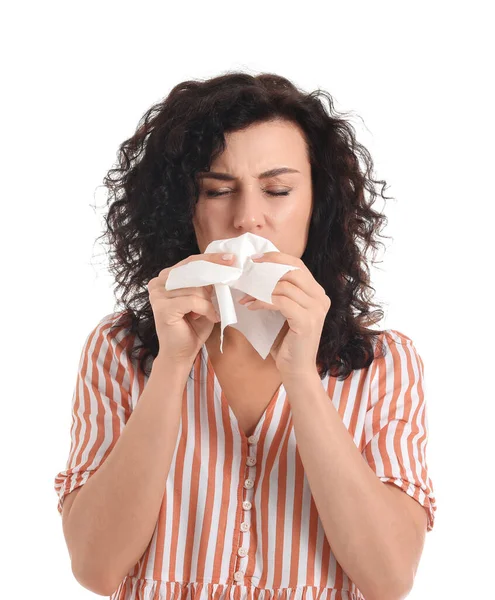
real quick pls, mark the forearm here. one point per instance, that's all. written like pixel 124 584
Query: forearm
pixel 113 517
pixel 363 525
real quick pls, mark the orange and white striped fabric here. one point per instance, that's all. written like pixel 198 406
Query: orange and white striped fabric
pixel 237 518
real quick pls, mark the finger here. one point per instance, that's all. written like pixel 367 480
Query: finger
pixel 202 291
pixel 194 305
pixel 287 307
pixel 216 257
pixel 283 288
pixel 158 285
pixel 279 257
pixel 303 280
pixel 245 298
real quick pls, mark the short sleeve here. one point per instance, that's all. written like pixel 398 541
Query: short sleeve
pixel 396 422
pixel 101 405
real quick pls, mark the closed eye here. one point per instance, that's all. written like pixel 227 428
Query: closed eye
pixel 213 193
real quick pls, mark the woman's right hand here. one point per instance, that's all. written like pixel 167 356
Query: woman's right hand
pixel 184 318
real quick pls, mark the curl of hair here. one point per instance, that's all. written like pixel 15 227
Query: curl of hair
pixel 153 188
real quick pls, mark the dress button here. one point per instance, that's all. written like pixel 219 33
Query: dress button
pixel 251 461
pixel 252 439
pixel 238 575
pixel 246 505
pixel 242 552
pixel 248 484
pixel 244 526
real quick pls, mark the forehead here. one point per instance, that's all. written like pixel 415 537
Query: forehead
pixel 263 147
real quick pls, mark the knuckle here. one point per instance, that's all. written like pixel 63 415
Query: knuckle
pixel 196 301
pixel 152 285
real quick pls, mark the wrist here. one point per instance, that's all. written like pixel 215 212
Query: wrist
pixel 169 366
pixel 298 378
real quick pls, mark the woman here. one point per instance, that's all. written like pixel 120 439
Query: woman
pixel 197 471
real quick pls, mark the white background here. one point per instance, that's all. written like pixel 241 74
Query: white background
pixel 77 78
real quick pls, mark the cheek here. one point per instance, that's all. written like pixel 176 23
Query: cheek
pixel 210 217
pixel 294 213
pixel 201 214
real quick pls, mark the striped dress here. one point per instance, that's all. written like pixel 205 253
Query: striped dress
pixel 237 519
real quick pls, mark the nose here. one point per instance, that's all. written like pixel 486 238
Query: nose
pixel 249 210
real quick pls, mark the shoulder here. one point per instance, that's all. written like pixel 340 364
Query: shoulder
pixel 393 336
pixel 109 360
pixel 398 337
pixel 394 346
pixel 113 325
pixel 111 334
pixel 397 350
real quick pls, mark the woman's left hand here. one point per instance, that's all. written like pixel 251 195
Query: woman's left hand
pixel 304 303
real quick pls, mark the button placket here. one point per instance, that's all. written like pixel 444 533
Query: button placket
pixel 242 552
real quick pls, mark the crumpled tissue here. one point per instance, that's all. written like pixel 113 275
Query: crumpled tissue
pixel 231 282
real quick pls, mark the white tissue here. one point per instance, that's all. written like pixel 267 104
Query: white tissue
pixel 260 327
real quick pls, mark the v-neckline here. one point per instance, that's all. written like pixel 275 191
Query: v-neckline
pixel 221 398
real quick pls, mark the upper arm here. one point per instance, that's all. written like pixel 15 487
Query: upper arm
pixel 417 517
pixel 417 514
pixel 396 425
pixel 67 503
pixel 81 577
pixel 101 405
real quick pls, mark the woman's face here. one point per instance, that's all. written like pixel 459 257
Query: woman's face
pixel 247 202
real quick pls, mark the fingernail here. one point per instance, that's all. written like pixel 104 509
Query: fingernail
pixel 227 256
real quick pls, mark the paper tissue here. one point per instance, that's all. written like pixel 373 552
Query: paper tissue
pixel 231 282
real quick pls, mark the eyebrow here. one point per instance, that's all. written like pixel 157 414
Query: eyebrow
pixel 228 177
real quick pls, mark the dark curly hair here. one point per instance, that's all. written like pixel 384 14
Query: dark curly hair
pixel 153 190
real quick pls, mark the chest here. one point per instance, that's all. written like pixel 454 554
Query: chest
pixel 248 393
